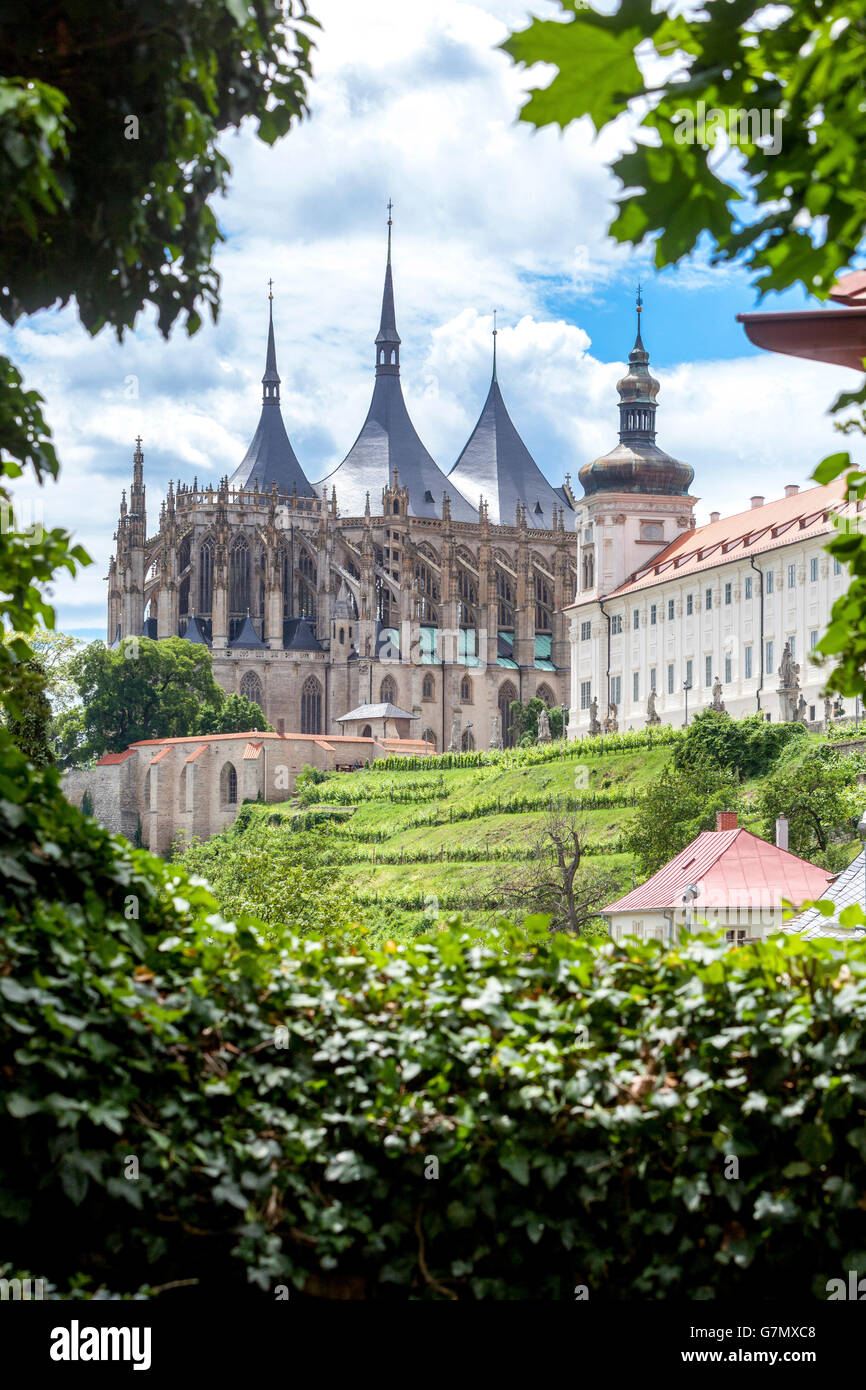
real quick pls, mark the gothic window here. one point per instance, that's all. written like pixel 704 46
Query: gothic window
pixel 261 568
pixel 505 598
pixel 466 691
pixel 507 693
pixel 205 576
pixel 307 583
pixel 546 694
pixel 428 691
pixel 543 605
pixel 383 602
pixel 286 582
pixel 239 578
pixel 388 691
pixel 228 785
pixel 429 737
pixel 251 687
pixel 311 706
pixel 427 589
pixel 366 732
pixel 467 742
pixel 587 570
pixel 183 553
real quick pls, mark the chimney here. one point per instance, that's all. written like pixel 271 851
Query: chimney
pixel 791 489
pixel 757 502
pixel 726 820
pixel 782 832
pixel 714 516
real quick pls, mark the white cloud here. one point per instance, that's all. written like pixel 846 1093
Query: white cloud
pixel 413 101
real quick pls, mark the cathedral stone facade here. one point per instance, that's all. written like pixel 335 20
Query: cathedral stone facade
pixel 386 582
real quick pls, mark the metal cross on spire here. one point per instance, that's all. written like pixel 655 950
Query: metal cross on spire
pixel 270 289
pixel 495 331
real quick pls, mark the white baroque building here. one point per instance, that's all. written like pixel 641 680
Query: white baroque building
pixel 666 607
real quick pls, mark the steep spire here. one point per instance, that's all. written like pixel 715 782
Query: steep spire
pixel 388 339
pixel 495 330
pixel 270 459
pixel 271 378
pixel 638 342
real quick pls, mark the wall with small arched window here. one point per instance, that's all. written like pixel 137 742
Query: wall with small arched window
pixel 467 743
pixel 311 706
pixel 228 785
pixel 429 737
pixel 466 691
pixel 428 688
pixel 388 691
pixel 251 688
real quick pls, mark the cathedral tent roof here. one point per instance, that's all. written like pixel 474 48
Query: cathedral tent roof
pixel 383 711
pixel 496 465
pixel 248 638
pixel 270 458
pixel 298 636
pixel 389 442
pixel 193 632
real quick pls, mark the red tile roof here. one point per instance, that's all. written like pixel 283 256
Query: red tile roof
pixel 732 868
pixel 751 533
pixel 110 759
pixel 251 752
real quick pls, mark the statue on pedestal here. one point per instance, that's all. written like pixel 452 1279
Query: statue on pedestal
pixel 652 716
pixel 611 723
pixel 495 732
pixel 454 745
pixel 789 687
pixel 828 711
pixel 594 725
pixel 801 709
pixel 718 703
pixel 543 726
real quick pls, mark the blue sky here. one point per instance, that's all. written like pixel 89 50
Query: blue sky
pixel 415 102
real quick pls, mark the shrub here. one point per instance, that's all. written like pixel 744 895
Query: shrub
pixel 750 745
pixel 462 1117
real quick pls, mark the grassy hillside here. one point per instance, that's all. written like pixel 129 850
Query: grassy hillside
pixel 392 846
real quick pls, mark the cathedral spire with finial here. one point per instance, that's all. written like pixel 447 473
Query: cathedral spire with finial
pixel 495 331
pixel 388 339
pixel 271 378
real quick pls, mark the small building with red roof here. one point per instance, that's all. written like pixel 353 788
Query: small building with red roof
pixel 727 879
pixel 173 790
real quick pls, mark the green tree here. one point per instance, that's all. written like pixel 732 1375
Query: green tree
pixel 236 714
pixel 677 806
pixel 793 217
pixel 28 713
pixel 142 689
pixel 819 795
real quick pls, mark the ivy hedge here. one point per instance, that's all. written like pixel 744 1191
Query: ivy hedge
pixel 509 1116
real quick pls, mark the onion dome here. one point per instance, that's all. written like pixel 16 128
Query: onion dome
pixel 637 464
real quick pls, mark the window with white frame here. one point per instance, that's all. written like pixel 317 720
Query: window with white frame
pixel 748 586
pixel 689 605
pixel 813 570
pixel 708 670
pixel 728 668
pixel 768 582
pixel 671 680
pixel 768 663
pixel 792 576
pixel 652 678
pixel 729 590
pixel 616 690
pixel 585 694
pixel 813 639
pixel 585 631
pixel 689 677
pixel 635 686
pixel 616 625
pixel 837 565
pixel 653 614
pixel 708 599
pixel 671 610
pixel 747 663
pixel 635 620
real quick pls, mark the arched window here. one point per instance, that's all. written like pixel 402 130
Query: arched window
pixel 396 508
pixel 587 570
pixel 429 737
pixel 467 743
pixel 507 693
pixel 251 687
pixel 307 584
pixel 388 691
pixel 466 691
pixel 366 732
pixel 545 693
pixel 543 605
pixel 183 791
pixel 228 786
pixel 239 581
pixel 205 576
pixel 311 706
pixel 505 598
pixel 428 688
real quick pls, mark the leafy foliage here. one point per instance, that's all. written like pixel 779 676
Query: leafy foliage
pixel 795 216
pixel 109 154
pixel 676 808
pixel 28 713
pixel 235 715
pixel 469 1118
pixel 820 797
pixel 749 746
